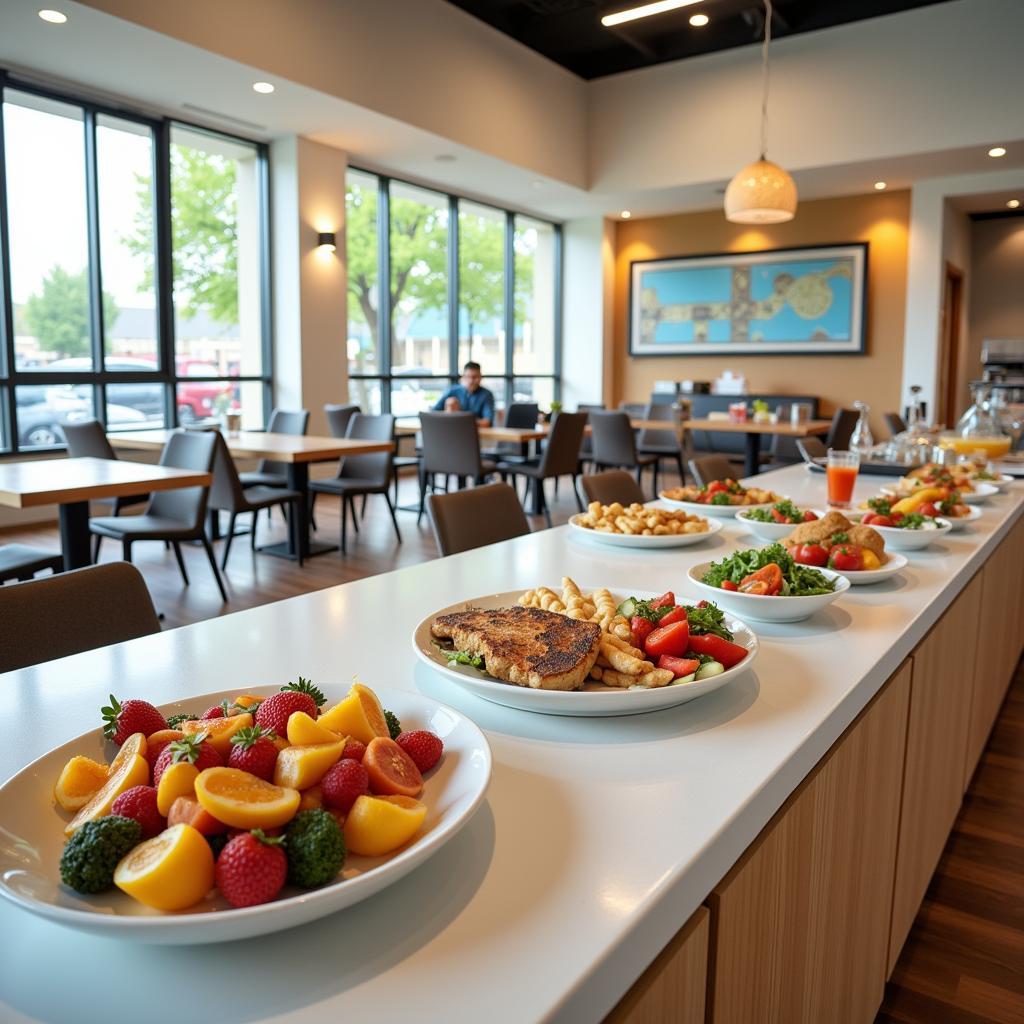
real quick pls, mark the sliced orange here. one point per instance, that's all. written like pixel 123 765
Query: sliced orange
pixel 311 798
pixel 302 767
pixel 391 769
pixel 131 772
pixel 81 778
pixel 358 715
pixel 241 800
pixel 178 779
pixel 135 745
pixel 218 730
pixel 171 871
pixel 249 700
pixel 379 824
pixel 303 730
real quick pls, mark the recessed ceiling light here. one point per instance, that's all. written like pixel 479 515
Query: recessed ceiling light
pixel 997 151
pixel 53 17
pixel 699 20
pixel 880 186
pixel 1013 204
pixel 645 11
pixel 445 158
pixel 264 87
pixel 625 215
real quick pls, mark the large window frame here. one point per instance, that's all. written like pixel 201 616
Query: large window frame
pixel 386 378
pixel 99 378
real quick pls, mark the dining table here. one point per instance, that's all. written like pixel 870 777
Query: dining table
pixel 753 431
pixel 598 837
pixel 296 451
pixel 72 483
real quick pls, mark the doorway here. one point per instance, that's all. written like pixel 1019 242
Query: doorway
pixel 949 346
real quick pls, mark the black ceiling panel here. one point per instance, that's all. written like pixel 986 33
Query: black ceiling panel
pixel 570 32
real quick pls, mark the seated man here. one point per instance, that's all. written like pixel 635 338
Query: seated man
pixel 469 396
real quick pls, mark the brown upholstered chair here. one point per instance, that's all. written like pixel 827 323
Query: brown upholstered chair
pixel 22 562
pixel 95 606
pixel 472 518
pixel 612 485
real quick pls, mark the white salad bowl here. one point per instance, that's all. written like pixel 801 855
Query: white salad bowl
pixel 769 531
pixel 959 522
pixel 723 511
pixel 914 540
pixel 982 492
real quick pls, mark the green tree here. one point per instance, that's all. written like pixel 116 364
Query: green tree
pixel 204 233
pixel 58 315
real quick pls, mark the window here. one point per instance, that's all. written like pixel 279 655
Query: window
pixel 464 277
pixel 110 309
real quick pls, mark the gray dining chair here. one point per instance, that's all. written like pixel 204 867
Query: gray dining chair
pixel 228 495
pixel 613 485
pixel 361 475
pixel 95 607
pixel 173 516
pixel 839 433
pixel 22 562
pixel 338 417
pixel 895 422
pixel 270 473
pixel 521 416
pixel 587 445
pixel 469 519
pixel 451 446
pixel 782 449
pixel 615 445
pixel 811 448
pixel 707 468
pixel 664 444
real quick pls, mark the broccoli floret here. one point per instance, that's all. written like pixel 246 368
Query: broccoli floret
pixel 315 848
pixel 175 720
pixel 394 725
pixel 88 861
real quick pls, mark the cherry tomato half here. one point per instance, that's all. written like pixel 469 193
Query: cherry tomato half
pixel 678 614
pixel 672 640
pixel 929 508
pixel 640 628
pixel 810 554
pixel 846 558
pixel 716 487
pixel 667 598
pixel 729 585
pixel 809 516
pixel 770 577
pixel 725 651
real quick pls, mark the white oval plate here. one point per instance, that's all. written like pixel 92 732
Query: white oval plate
pixel 762 608
pixel 959 522
pixel 639 540
pixel 723 511
pixel 596 701
pixel 982 492
pixel 913 540
pixel 1000 483
pixel 892 566
pixel 770 531
pixel 32 838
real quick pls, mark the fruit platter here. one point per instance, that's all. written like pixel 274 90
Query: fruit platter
pixel 237 813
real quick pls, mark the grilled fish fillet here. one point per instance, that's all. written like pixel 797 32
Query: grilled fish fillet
pixel 525 646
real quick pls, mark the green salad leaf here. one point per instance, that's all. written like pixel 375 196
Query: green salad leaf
pixel 798 580
pixel 707 618
pixel 911 521
pixel 462 657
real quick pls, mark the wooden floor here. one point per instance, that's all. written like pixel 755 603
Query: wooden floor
pixel 964 960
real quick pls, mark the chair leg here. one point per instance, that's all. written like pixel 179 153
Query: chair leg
pixel 126 550
pixel 181 561
pixel 394 518
pixel 654 482
pixel 362 510
pixel 96 542
pixel 299 552
pixel 228 539
pixel 542 499
pixel 576 492
pixel 423 494
pixel 252 532
pixel 352 509
pixel 213 566
pixel 312 502
pixel 344 523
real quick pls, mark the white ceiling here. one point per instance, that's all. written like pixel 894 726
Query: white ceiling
pixel 153 72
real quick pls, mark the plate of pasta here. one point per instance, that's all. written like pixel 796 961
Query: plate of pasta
pixel 583 651
pixel 642 526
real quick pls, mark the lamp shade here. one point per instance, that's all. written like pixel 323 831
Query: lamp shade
pixel 762 193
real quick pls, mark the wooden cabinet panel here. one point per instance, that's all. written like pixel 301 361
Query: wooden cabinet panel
pixel 673 989
pixel 802 921
pixel 1001 636
pixel 940 707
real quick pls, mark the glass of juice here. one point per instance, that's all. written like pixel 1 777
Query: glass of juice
pixel 842 475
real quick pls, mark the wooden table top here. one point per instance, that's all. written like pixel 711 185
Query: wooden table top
pixel 750 427
pixel 61 481
pixel 410 427
pixel 256 444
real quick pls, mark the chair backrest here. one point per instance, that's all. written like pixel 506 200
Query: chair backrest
pixel 811 448
pixel 338 417
pixel 587 445
pixel 471 518
pixel 659 438
pixel 226 491
pixel 632 408
pixel 96 606
pixel 562 451
pixel 783 447
pixel 451 443
pixel 87 439
pixel 186 449
pixel 841 431
pixel 893 420
pixel 706 468
pixel 284 421
pixel 522 415
pixel 375 468
pixel 612 435
pixel 612 485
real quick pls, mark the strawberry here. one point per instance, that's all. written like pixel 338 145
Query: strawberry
pixel 139 803
pixel 221 710
pixel 423 747
pixel 353 751
pixel 343 783
pixel 275 711
pixel 306 687
pixel 194 749
pixel 121 720
pixel 251 869
pixel 253 751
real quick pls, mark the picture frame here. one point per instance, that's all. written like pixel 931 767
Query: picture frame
pixel 812 300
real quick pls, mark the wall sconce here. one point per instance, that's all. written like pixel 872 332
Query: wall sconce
pixel 326 242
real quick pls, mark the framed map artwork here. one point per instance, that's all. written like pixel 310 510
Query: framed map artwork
pixel 777 302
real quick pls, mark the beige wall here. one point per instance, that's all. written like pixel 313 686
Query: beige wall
pixel 880 220
pixel 996 302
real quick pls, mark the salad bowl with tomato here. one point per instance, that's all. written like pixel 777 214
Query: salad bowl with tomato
pixel 719 498
pixel 777 521
pixel 768 585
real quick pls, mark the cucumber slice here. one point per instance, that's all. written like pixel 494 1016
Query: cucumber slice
pixel 710 668
pixel 627 608
pixel 684 679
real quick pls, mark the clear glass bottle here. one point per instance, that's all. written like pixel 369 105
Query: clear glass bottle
pixel 861 440
pixel 978 431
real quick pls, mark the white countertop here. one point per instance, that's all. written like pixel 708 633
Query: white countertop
pixel 598 839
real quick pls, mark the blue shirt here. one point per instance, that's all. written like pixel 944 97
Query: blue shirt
pixel 480 402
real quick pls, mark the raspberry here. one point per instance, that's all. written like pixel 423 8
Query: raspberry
pixel 343 783
pixel 423 747
pixel 139 803
pixel 274 712
pixel 251 869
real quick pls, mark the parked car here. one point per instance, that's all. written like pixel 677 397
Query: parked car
pixel 198 399
pixel 42 408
